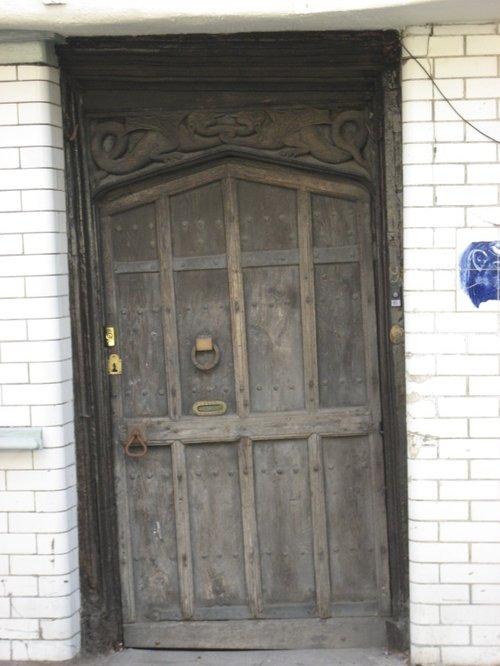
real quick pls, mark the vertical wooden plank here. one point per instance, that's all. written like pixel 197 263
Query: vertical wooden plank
pixel 308 302
pixel 169 314
pixel 320 536
pixel 111 313
pixel 124 540
pixel 368 306
pixel 121 490
pixel 252 555
pixel 378 497
pixel 184 556
pixel 236 296
pixel 375 442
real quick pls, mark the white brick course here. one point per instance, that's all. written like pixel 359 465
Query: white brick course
pixel 425 614
pixel 423 572
pixel 439 593
pixel 466 29
pixel 33 650
pixel 438 552
pixel 465 67
pixel 454 351
pixel 465 656
pixel 9 158
pixel 38 536
pixel 423 510
pixel 59 629
pixel 477 89
pixel 486 594
pixel 440 635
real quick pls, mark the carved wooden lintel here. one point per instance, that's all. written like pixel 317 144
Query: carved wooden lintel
pixel 144 143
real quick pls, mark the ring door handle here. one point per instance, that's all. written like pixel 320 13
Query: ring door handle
pixel 136 446
pixel 204 344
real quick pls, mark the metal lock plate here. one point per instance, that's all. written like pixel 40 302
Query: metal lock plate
pixel 114 365
pixel 204 343
pixel 109 336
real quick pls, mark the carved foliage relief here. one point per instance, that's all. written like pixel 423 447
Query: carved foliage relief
pixel 123 147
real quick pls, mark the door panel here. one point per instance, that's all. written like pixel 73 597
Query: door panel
pixel 155 581
pixel 341 338
pixel 349 502
pixel 268 217
pixel 134 234
pixel 276 369
pixel 197 222
pixel 216 529
pixel 141 335
pixel 248 287
pixel 284 527
pixel 202 305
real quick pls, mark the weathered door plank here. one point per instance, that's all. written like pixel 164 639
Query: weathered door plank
pixel 321 556
pixel 252 552
pixel 308 302
pixel 184 556
pixel 236 298
pixel 260 634
pixel 168 308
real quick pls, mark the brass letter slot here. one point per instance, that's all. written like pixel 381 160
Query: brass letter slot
pixel 209 408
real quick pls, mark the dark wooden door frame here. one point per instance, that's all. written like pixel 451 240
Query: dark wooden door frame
pixel 292 61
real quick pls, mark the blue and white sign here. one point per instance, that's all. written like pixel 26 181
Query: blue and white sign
pixel 480 271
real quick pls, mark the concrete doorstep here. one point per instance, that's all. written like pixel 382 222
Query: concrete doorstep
pixel 337 657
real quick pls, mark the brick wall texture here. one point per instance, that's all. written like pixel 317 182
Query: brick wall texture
pixel 39 587
pixel 452 176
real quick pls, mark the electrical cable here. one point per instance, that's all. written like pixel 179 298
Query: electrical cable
pixel 467 122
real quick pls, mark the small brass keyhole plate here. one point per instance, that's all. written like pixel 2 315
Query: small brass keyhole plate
pixel 114 365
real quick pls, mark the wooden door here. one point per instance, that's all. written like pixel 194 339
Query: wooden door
pixel 248 290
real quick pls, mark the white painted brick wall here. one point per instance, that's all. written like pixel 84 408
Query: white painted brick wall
pixel 452 176
pixel 39 587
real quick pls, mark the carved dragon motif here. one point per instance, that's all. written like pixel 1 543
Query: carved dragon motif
pixel 120 148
